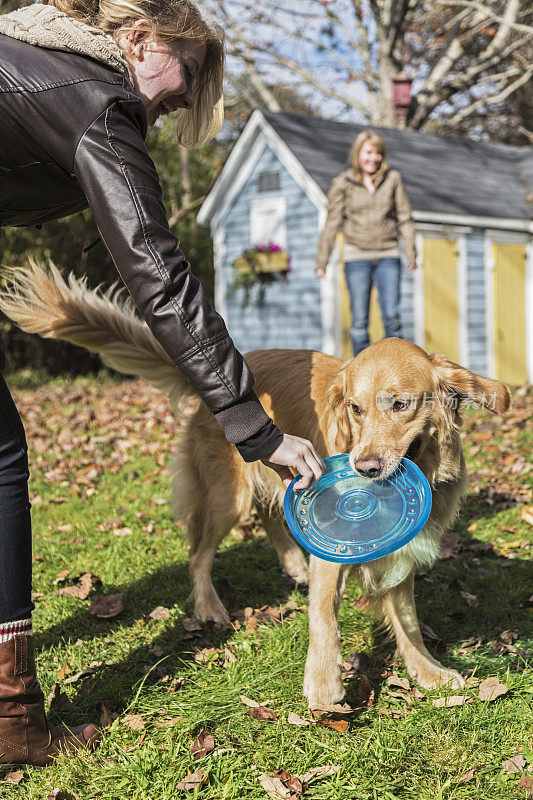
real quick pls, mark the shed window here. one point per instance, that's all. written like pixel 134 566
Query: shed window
pixel 268 221
pixel 268 181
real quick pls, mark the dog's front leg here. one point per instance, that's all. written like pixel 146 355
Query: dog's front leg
pixel 399 607
pixel 322 681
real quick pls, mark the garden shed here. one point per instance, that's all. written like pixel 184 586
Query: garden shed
pixel 473 206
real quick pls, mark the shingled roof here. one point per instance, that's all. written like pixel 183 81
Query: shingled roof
pixel 442 174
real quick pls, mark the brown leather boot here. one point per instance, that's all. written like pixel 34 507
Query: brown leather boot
pixel 25 736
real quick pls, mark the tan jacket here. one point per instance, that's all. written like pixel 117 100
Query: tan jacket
pixel 369 221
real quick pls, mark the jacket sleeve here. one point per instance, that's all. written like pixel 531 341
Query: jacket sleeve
pixel 406 224
pixel 333 222
pixel 121 184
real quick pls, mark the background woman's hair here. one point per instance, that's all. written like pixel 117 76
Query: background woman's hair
pixel 377 142
pixel 170 20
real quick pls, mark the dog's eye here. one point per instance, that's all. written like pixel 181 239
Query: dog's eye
pixel 400 405
pixel 356 410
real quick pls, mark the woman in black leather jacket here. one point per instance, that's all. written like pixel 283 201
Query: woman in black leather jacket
pixel 80 81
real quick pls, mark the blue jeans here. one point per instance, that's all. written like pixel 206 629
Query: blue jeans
pixel 15 524
pixel 360 275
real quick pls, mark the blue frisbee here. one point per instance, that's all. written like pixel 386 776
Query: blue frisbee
pixel 349 519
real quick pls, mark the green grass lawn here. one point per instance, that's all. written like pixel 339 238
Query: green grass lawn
pixel 98 450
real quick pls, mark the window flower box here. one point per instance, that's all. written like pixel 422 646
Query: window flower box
pixel 262 261
pixel 260 265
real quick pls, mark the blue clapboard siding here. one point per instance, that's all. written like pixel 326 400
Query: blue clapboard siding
pixel 476 302
pixel 290 314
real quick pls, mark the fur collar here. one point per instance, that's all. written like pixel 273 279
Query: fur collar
pixel 47 26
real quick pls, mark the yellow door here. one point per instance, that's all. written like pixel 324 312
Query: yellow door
pixel 441 315
pixel 509 312
pixel 376 330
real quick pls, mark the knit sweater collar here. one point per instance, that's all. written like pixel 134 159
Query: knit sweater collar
pixel 47 26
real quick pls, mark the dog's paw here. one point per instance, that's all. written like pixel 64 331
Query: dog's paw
pixel 323 689
pixel 295 565
pixel 430 676
pixel 211 610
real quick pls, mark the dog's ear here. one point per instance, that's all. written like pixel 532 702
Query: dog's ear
pixel 340 422
pixel 469 388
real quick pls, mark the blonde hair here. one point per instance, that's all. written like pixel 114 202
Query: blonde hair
pixel 377 142
pixel 171 20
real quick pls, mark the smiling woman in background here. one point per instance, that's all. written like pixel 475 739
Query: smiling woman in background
pixel 80 81
pixel 369 203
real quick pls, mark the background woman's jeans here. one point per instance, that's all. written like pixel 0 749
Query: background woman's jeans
pixel 15 525
pixel 360 275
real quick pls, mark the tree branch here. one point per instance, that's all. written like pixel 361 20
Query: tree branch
pixel 459 116
pixel 185 210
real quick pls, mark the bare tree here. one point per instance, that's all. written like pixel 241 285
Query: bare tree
pixel 465 57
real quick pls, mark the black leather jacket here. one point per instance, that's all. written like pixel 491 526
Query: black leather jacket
pixel 72 134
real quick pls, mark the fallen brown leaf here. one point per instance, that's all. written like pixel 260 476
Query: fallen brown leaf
pixel 318 711
pixel 82 586
pixel 121 532
pixel 527 514
pixel 469 645
pixel 355 664
pixel 106 606
pixel 191 624
pixel 274 788
pixel 468 775
pixel 191 781
pixel 450 702
pixel 208 655
pixel 319 772
pixel 390 712
pixel 454 616
pixel 249 702
pixel 432 639
pixel 59 794
pixel 57 699
pixel 202 745
pixel 402 683
pixel 402 695
pixel 365 692
pixel 526 782
pixel 262 713
pixel 514 764
pixel 339 725
pixel 491 688
pixel 14 777
pixel 290 781
pixel 160 612
pixel 63 672
pixel 175 684
pixel 83 674
pixel 61 576
pixel 465 592
pixel 295 719
pixel 107 715
pixel 133 721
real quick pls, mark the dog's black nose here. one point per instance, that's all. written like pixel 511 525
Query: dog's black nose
pixel 369 467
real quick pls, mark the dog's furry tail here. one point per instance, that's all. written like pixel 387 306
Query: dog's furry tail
pixel 41 301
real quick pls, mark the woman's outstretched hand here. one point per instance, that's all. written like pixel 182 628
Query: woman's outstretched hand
pixel 301 456
pixel 320 272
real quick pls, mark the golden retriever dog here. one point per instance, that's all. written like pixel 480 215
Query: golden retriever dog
pixel 392 400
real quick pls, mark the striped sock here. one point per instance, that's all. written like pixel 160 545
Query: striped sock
pixel 8 630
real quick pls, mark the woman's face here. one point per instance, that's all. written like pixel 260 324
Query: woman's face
pixel 369 158
pixel 163 72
